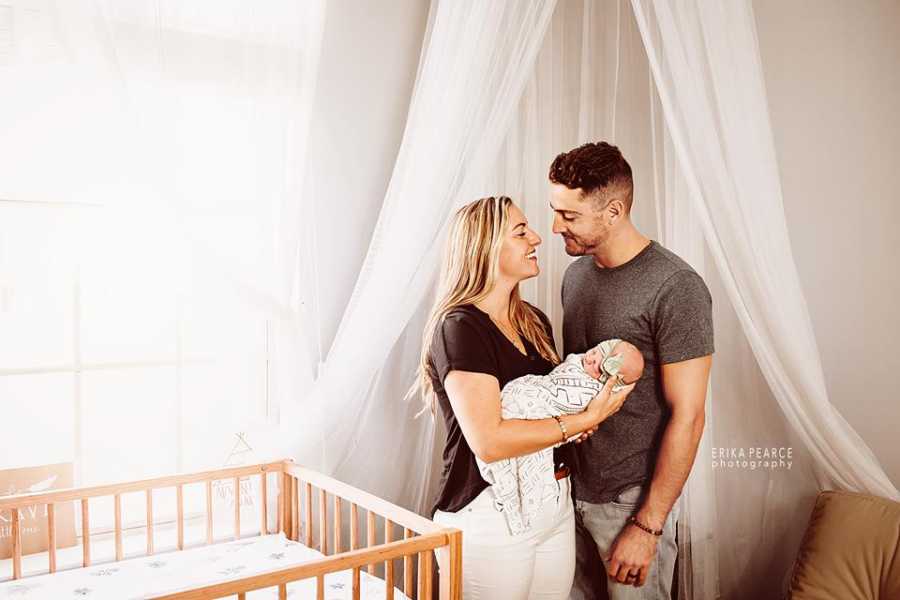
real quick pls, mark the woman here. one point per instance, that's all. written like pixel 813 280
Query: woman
pixel 479 336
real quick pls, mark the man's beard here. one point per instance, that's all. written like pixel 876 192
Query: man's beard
pixel 577 247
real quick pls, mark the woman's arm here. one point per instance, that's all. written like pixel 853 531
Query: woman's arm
pixel 475 398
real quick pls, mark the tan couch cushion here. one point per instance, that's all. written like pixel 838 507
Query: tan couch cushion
pixel 850 550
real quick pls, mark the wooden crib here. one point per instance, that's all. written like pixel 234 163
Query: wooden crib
pixel 301 493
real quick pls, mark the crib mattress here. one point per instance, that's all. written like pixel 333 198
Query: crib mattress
pixel 149 576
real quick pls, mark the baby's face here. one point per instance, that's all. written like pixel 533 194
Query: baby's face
pixel 630 361
pixel 592 360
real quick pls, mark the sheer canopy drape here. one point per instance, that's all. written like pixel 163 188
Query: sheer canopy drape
pixel 706 186
pixel 476 60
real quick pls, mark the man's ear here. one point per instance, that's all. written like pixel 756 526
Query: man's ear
pixel 616 208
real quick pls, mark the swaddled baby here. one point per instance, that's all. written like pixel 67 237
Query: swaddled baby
pixel 522 484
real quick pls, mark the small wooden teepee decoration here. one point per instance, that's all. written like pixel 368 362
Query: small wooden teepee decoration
pixel 241 453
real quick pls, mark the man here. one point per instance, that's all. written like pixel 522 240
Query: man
pixel 629 475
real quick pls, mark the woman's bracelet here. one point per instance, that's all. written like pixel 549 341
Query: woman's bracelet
pixel 562 428
pixel 633 520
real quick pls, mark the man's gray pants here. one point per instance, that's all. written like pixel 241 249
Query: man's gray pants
pixel 597 526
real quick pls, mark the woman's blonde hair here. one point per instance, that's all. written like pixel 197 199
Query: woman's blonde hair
pixel 469 272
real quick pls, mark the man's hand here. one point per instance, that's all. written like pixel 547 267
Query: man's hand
pixel 630 556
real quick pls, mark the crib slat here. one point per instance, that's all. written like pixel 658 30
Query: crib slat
pixel 388 564
pixel 337 525
pixel 209 513
pixel 370 537
pixel 425 575
pixel 85 534
pixel 263 486
pixel 282 592
pixel 355 583
pixel 309 515
pixel 279 517
pixel 242 596
pixel 426 593
pixel 407 567
pixel 179 506
pixel 295 509
pixel 237 508
pixel 16 543
pixel 117 499
pixel 286 504
pixel 354 526
pixel 51 535
pixel 149 522
pixel 320 587
pixel 420 588
pixel 323 522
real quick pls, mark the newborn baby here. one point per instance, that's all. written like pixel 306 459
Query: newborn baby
pixel 522 484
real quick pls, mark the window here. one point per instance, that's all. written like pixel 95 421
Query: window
pixel 116 355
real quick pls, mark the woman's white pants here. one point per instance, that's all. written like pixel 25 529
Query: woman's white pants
pixel 538 565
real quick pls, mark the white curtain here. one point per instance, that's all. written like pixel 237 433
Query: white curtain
pixel 476 59
pixel 592 80
pixel 705 61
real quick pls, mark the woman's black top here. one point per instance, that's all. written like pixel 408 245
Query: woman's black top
pixel 468 340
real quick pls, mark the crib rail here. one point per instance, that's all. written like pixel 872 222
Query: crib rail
pixel 68 494
pixel 301 513
pixel 317 568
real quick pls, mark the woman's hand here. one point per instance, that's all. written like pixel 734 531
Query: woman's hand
pixel 586 434
pixel 606 403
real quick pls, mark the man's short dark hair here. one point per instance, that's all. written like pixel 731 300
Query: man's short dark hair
pixel 599 169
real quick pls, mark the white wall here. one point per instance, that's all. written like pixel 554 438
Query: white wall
pixel 832 69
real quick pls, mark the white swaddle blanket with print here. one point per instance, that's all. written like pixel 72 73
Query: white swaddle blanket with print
pixel 521 485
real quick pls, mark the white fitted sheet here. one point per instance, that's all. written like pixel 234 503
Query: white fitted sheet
pixel 148 576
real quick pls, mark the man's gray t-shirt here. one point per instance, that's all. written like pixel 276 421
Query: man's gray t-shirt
pixel 660 304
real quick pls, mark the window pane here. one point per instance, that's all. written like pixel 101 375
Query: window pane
pixel 37 425
pixel 130 424
pixel 36 286
pixel 128 295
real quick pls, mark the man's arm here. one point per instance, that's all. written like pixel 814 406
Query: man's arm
pixel 684 388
